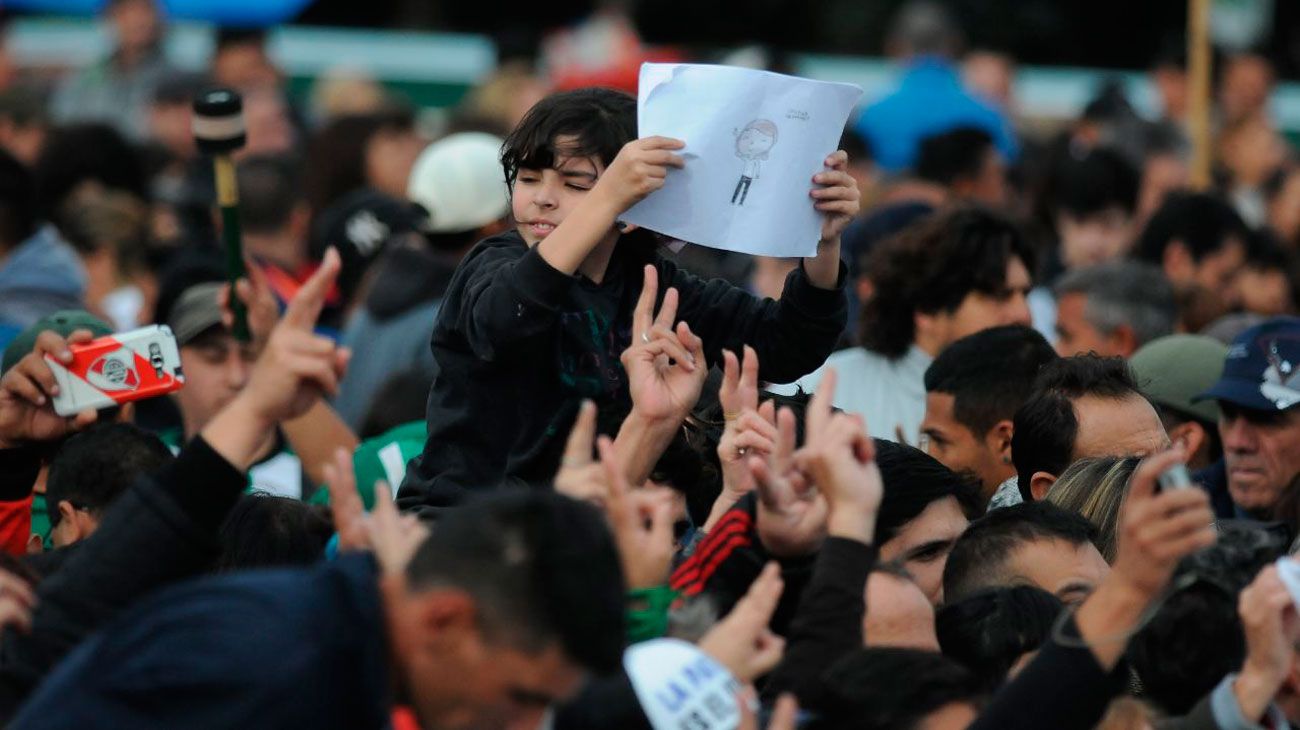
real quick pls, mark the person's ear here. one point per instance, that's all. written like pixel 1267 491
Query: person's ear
pixel 1192 436
pixel 998 440
pixel 35 545
pixel 1123 341
pixel 1039 484
pixel 126 412
pixel 66 510
pixel 446 616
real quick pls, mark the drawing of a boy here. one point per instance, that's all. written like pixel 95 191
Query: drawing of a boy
pixel 752 145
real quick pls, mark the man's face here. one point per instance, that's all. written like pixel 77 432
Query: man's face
pixel 1096 238
pixel 135 23
pixel 1218 271
pixel 1070 572
pixel 216 367
pixel 1117 427
pixel 541 199
pixel 1075 335
pixel 980 311
pixel 923 545
pixel 900 614
pixel 954 445
pixel 1262 451
pixel 457 679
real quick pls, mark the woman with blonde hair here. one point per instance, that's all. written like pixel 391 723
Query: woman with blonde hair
pixel 1095 488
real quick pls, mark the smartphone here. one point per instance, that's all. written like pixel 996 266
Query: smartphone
pixel 117 369
pixel 1175 477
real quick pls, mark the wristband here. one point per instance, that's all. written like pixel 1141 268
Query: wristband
pixel 647 612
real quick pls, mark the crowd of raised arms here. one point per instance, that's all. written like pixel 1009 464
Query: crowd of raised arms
pixel 1018 447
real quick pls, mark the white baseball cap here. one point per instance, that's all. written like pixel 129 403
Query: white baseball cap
pixel 459 181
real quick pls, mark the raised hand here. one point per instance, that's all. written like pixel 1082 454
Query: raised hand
pixel 839 458
pixel 639 169
pixel 665 367
pixel 642 522
pixel 749 430
pixel 26 414
pixel 393 538
pixel 742 641
pixel 348 510
pixel 1268 616
pixel 580 476
pixel 791 514
pixel 259 303
pixel 1157 529
pixel 298 366
pixel 837 195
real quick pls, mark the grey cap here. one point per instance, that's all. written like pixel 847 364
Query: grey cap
pixel 1172 371
pixel 195 311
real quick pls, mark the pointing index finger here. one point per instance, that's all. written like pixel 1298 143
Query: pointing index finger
pixel 306 305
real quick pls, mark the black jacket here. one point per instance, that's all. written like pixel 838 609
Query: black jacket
pixel 163 529
pixel 518 345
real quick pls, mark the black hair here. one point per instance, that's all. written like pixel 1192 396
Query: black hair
pixel 856 146
pixel 978 559
pixel 952 156
pixel 17 220
pixel 1195 637
pixel 79 153
pixel 913 480
pixel 1093 181
pixel 990 630
pixel 890 689
pixel 400 399
pixel 1204 223
pixel 1046 425
pixel 270 187
pixel 515 553
pixel 990 374
pixel 92 468
pixel 266 531
pixel 600 122
pixel 931 267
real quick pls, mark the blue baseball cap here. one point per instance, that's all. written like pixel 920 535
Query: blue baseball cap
pixel 1262 369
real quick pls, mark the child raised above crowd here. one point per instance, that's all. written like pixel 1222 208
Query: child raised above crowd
pixel 535 319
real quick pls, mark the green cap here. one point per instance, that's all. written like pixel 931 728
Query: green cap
pixel 65 323
pixel 1175 369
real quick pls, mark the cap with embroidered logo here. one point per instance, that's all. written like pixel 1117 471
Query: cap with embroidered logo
pixel 1262 369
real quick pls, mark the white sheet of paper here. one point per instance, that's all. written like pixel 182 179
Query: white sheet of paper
pixel 754 139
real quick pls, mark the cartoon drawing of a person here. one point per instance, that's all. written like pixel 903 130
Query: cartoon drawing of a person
pixel 752 145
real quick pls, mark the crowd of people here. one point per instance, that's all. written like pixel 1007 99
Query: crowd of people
pixel 488 457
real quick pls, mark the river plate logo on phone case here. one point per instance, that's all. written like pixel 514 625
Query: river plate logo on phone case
pixel 114 371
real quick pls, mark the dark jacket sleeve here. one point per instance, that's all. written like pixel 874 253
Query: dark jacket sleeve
pixel 160 531
pixel 1062 688
pixel 828 624
pixel 504 293
pixel 793 335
